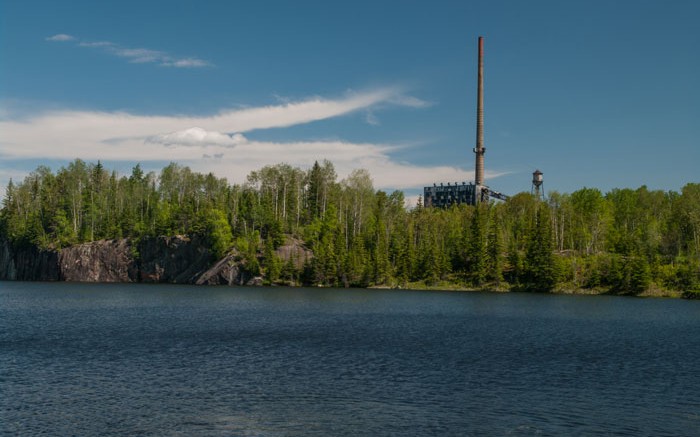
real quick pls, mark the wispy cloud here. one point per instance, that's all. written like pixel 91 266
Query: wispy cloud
pixel 138 55
pixel 111 128
pixel 135 55
pixel 410 101
pixel 371 119
pixel 60 37
pixel 185 63
pixel 217 142
pixel 94 44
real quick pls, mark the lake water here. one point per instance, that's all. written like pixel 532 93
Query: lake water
pixel 85 359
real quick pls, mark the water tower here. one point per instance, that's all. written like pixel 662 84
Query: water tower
pixel 537 183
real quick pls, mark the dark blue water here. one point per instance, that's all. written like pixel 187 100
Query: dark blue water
pixel 81 359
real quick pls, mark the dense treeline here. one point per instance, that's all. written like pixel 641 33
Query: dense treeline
pixel 622 241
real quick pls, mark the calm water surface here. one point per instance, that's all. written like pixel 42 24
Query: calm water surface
pixel 79 359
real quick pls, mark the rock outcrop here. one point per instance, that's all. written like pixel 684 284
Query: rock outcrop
pixel 27 263
pixel 294 250
pixel 178 259
pixel 228 271
pixel 99 261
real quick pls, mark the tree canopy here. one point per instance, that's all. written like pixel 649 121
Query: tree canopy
pixel 627 240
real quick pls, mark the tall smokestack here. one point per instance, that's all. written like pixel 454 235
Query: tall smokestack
pixel 479 150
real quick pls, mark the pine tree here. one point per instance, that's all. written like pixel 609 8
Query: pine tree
pixel 541 272
pixel 639 274
pixel 477 254
pixel 273 266
pixel 380 252
pixel 495 260
pixel 514 274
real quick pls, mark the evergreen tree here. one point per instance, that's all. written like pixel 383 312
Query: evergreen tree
pixel 289 272
pixel 626 240
pixel 313 194
pixel 358 270
pixel 639 274
pixel 477 255
pixel 380 252
pixel 273 267
pixel 495 260
pixel 516 268
pixel 541 272
pixel 251 253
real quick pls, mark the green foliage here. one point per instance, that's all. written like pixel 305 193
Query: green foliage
pixel 273 266
pixel 218 232
pixel 477 254
pixel 590 217
pixel 541 272
pixel 639 274
pixel 627 273
pixel 516 267
pixel 626 241
pixel 494 249
pixel 251 254
pixel 288 272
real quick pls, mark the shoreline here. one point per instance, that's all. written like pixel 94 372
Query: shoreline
pixel 653 292
pixel 650 293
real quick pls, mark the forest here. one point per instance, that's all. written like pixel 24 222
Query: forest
pixel 626 241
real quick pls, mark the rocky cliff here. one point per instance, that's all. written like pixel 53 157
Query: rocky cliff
pixel 231 270
pixel 178 259
pixel 99 261
pixel 28 263
pixel 293 251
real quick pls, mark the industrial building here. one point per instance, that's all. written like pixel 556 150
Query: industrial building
pixel 443 196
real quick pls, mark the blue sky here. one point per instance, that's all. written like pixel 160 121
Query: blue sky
pixel 594 93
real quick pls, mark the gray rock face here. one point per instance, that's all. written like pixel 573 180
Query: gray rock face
pixel 27 263
pixel 8 271
pixel 228 271
pixel 99 261
pixel 293 250
pixel 177 260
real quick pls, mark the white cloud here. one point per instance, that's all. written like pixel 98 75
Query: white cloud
pixel 139 55
pixel 60 37
pixel 185 63
pixel 136 55
pixel 371 119
pixel 197 137
pixel 386 172
pixel 217 142
pixel 410 101
pixel 411 201
pixel 94 44
pixel 96 134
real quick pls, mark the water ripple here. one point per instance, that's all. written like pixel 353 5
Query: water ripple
pixel 188 361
